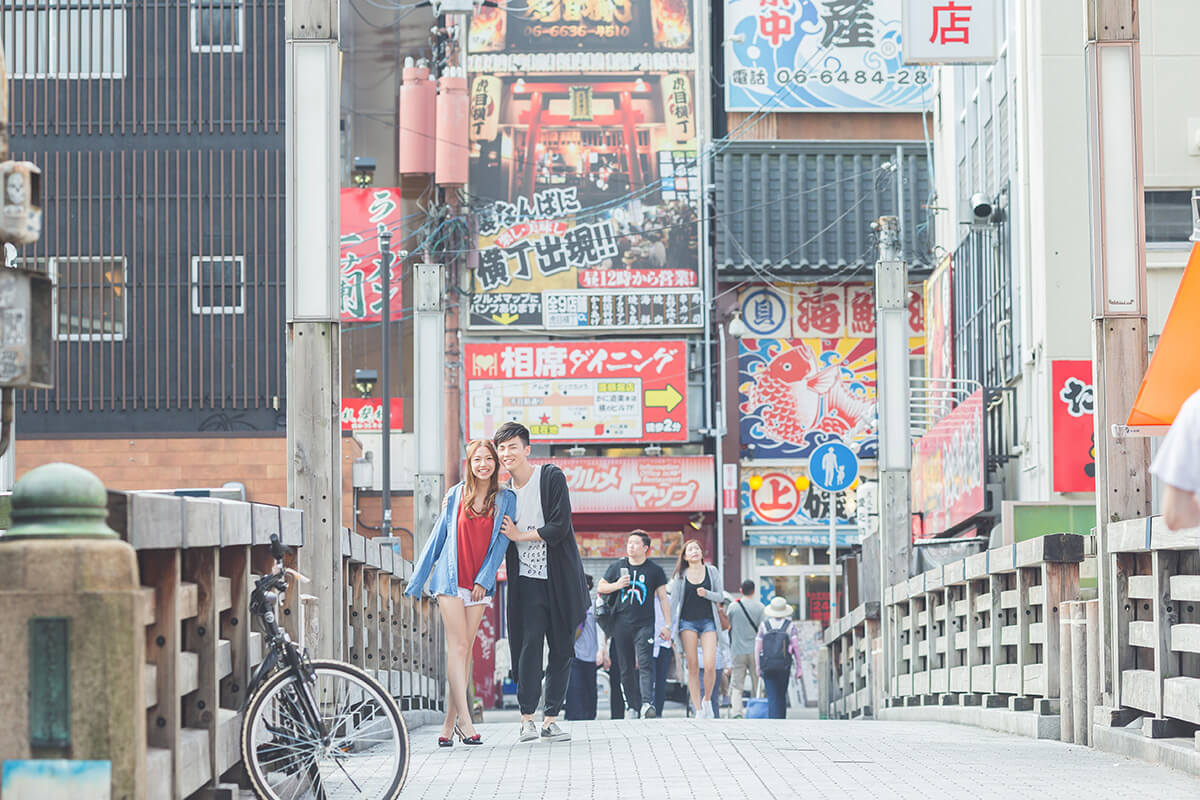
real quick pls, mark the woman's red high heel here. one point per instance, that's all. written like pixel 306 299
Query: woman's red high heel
pixel 476 739
pixel 445 742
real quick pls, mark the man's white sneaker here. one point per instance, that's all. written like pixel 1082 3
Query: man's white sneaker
pixel 529 732
pixel 553 733
pixel 649 712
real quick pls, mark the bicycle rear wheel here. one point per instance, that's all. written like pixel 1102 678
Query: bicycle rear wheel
pixel 364 756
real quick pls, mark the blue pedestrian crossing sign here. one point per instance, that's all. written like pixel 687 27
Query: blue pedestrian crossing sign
pixel 833 467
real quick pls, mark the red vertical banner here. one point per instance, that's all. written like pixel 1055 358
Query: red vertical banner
pixel 483 658
pixel 1073 403
pixel 366 213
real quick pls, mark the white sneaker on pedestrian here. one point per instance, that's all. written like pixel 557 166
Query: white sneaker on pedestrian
pixel 705 711
pixel 649 711
pixel 529 731
pixel 553 733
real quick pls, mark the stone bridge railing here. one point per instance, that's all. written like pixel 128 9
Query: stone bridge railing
pixel 182 613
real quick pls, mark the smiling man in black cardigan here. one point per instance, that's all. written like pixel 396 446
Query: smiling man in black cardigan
pixel 547 593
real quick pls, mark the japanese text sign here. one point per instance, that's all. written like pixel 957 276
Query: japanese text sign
pixel 816 310
pixel 366 414
pixel 551 26
pixel 948 470
pixel 365 213
pixel 626 391
pixel 1073 400
pixel 779 501
pixel 950 31
pixel 819 55
pixel 634 485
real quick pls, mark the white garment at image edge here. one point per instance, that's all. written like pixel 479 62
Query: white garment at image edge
pixel 660 622
pixel 1178 459
pixel 531 555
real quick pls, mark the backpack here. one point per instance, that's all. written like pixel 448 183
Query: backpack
pixel 775 656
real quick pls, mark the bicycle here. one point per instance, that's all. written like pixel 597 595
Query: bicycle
pixel 316 730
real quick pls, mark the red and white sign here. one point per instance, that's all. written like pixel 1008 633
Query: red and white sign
pixel 777 500
pixel 628 485
pixel 948 469
pixel 366 213
pixel 628 391
pixel 950 31
pixel 366 414
pixel 729 483
pixel 1073 400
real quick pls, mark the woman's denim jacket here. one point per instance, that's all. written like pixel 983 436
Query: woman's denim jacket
pixel 438 563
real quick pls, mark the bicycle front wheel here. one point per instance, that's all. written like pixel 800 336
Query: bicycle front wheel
pixel 364 754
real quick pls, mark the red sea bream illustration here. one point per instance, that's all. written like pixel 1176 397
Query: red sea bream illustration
pixel 795 393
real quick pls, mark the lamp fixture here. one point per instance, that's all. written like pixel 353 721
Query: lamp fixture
pixel 519 86
pixel 364 172
pixel 639 85
pixel 794 552
pixel 696 520
pixel 364 381
pixel 737 328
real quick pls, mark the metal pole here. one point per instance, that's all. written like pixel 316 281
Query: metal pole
pixel 385 318
pixel 718 455
pixel 833 603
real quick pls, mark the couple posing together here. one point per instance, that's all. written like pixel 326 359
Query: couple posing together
pixel 528 525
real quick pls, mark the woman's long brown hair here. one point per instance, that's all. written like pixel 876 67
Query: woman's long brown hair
pixel 472 484
pixel 681 565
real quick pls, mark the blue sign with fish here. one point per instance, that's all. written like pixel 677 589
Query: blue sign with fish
pixel 795 395
pixel 819 55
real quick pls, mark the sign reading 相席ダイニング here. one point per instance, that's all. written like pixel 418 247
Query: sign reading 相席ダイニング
pixel 584 167
pixel 819 55
pixel 618 391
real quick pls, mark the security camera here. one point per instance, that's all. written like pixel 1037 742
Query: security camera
pixel 981 208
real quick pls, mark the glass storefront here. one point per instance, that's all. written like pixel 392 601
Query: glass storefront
pixel 798 574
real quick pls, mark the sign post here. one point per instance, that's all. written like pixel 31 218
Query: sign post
pixel 833 467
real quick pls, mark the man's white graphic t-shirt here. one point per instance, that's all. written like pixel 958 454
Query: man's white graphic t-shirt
pixel 531 555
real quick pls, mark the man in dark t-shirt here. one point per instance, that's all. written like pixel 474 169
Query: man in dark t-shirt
pixel 637 582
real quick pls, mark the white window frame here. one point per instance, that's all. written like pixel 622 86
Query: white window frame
pixel 195 6
pixel 124 298
pixel 199 309
pixel 47 51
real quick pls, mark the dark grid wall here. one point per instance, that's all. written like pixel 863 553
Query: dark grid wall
pixel 162 145
pixel 804 207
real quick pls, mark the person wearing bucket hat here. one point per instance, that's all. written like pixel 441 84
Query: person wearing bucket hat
pixel 777 654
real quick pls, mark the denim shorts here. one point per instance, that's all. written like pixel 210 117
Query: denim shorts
pixel 698 626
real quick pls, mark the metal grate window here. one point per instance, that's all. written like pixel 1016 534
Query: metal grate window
pixel 79 39
pixel 218 285
pixel 217 26
pixel 90 298
pixel 1168 216
pixel 983 305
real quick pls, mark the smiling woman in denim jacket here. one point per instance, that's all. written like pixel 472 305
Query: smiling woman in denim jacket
pixel 463 575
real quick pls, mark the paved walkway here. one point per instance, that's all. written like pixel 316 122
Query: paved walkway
pixel 682 759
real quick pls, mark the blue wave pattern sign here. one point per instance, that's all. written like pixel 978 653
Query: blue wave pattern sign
pixel 819 55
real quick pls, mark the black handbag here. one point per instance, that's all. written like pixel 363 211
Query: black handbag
pixel 606 612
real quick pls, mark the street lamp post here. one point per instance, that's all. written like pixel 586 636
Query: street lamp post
pixel 385 318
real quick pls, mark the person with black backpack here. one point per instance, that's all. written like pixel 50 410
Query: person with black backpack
pixel 777 655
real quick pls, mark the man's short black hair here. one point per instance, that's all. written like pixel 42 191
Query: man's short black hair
pixel 747 588
pixel 511 430
pixel 645 537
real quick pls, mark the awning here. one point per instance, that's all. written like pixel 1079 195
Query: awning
pixel 1174 372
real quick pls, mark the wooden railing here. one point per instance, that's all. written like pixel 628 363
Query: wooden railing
pixel 1156 636
pixel 981 630
pixel 850 642
pixel 198 559
pixel 985 628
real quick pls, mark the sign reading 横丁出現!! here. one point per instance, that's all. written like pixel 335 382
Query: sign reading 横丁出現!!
pixel 950 31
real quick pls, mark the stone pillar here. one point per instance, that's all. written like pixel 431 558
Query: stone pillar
pixel 72 633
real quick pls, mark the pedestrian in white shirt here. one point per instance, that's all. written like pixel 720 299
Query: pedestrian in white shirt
pixel 1177 465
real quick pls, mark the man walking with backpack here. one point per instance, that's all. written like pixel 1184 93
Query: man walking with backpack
pixel 745 615
pixel 777 655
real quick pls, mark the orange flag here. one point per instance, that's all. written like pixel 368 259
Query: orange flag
pixel 1174 372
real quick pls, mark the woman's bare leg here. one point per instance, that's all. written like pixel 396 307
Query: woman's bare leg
pixel 693 669
pixel 709 640
pixel 454 620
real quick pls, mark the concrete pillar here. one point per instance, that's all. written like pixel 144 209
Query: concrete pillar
pixel 72 635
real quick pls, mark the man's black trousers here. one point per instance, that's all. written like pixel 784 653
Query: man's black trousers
pixel 539 627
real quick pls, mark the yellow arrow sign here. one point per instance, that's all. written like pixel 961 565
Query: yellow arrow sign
pixel 505 319
pixel 666 398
